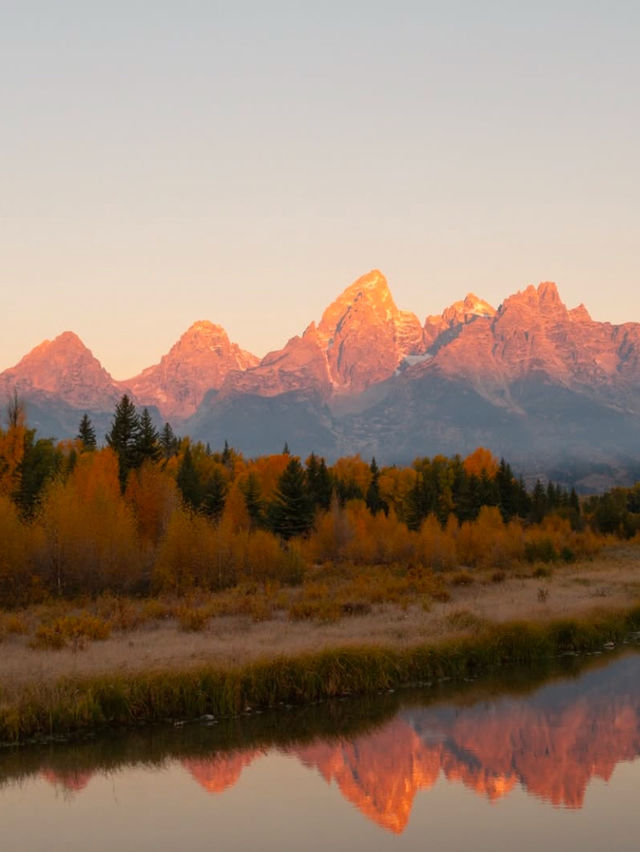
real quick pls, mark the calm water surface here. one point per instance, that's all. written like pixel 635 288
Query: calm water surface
pixel 497 766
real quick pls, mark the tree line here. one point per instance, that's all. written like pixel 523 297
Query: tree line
pixel 148 510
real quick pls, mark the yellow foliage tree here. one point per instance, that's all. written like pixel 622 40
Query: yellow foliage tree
pixel 435 546
pixel 481 461
pixel 18 544
pixel 90 541
pixel 153 496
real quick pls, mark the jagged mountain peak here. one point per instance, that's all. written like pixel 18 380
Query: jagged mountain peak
pixel 205 328
pixel 67 369
pixel 545 297
pixel 360 339
pixel 457 314
pixel 199 361
pixel 580 314
pixel 369 296
pixel 364 335
pixel 65 342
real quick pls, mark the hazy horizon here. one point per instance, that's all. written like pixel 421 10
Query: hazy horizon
pixel 229 162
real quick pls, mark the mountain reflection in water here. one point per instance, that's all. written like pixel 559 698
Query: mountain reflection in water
pixel 551 742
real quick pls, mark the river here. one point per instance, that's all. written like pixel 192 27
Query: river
pixel 528 762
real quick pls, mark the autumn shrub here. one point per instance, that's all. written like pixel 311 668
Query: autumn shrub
pixel 375 539
pixel 310 609
pixel 488 541
pixel 121 612
pixel 293 565
pixel 14 625
pixel 193 554
pixel 540 548
pixel 462 578
pixel 154 609
pixel 436 547
pixel 70 629
pixel 331 534
pixel 264 556
pixel 394 541
pixel 257 600
pixel 192 618
pixel 361 546
pixel 464 619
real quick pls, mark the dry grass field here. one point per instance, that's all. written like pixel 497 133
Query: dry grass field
pixel 326 611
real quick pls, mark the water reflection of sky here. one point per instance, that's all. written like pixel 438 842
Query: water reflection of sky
pixel 554 768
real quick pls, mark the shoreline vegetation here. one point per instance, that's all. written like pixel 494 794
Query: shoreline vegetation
pixel 75 705
pixel 284 726
pixel 154 578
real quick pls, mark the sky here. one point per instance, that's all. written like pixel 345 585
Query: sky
pixel 243 162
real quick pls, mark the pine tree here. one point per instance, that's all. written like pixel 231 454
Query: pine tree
pixel 538 502
pixel 574 502
pixel 41 462
pixel 215 496
pixel 285 449
pixel 253 500
pixel 291 512
pixel 507 491
pixel 87 434
pixel 123 437
pixel 374 501
pixel 169 444
pixel 148 440
pixel 319 481
pixel 188 481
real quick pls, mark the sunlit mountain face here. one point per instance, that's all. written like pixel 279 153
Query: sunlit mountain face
pixel 551 744
pixel 546 386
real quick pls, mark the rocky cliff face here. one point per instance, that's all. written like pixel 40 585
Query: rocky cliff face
pixel 198 362
pixel 360 340
pixel 457 315
pixel 63 369
pixel 533 334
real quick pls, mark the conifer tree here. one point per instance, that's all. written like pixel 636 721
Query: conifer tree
pixel 319 481
pixel 148 440
pixel 291 512
pixel 374 501
pixel 188 480
pixel 215 495
pixel 507 491
pixel 574 502
pixel 123 437
pixel 538 502
pixel 253 500
pixel 168 442
pixel 86 433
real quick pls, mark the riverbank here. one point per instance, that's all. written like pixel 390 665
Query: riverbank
pixel 155 669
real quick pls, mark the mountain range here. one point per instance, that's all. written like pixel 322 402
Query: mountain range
pixel 549 388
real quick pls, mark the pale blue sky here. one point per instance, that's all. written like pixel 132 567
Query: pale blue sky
pixel 162 162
